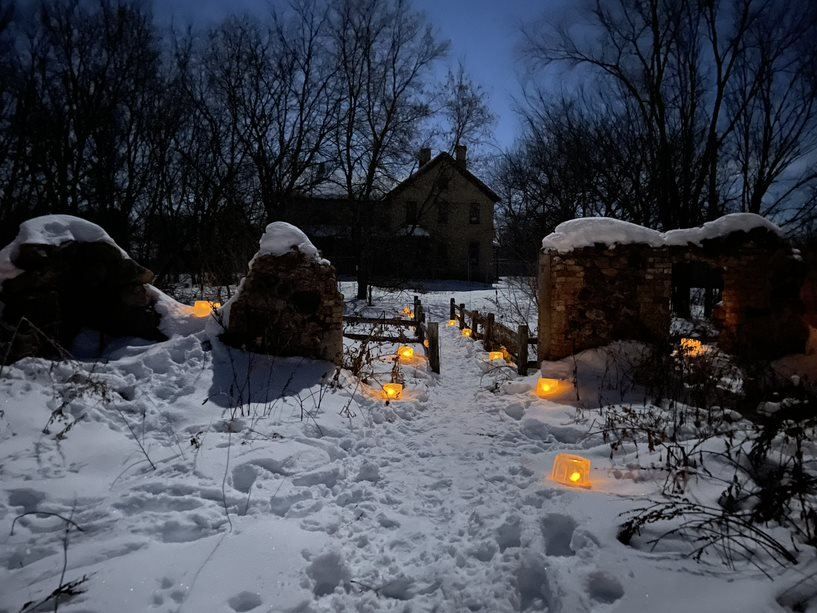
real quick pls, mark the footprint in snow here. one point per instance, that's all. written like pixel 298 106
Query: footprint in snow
pixel 558 532
pixel 245 601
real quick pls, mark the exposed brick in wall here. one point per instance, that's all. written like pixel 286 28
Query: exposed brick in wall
pixel 289 306
pixel 591 296
pixel 594 295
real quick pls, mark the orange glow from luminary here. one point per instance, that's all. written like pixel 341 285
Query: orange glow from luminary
pixel 392 391
pixel 406 353
pixel 692 347
pixel 546 387
pixel 571 470
pixel 203 308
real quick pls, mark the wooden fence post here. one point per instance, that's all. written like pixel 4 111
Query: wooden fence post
pixel 475 323
pixel 522 352
pixel 419 318
pixel 488 340
pixel 416 305
pixel 452 310
pixel 434 347
pixel 462 315
pixel 369 301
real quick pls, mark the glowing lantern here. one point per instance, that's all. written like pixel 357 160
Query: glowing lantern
pixel 466 332
pixel 571 470
pixel 496 355
pixel 406 310
pixel 691 347
pixel 506 355
pixel 406 353
pixel 452 323
pixel 426 344
pixel 203 308
pixel 546 387
pixel 393 391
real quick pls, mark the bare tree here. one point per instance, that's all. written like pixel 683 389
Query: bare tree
pixel 384 52
pixel 466 117
pixel 689 78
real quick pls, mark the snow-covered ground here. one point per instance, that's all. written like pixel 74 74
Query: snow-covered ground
pixel 206 479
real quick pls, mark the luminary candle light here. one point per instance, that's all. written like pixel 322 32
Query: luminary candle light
pixel 203 308
pixel 546 387
pixel 692 347
pixel 495 356
pixel 392 391
pixel 452 323
pixel 406 353
pixel 466 332
pixel 571 470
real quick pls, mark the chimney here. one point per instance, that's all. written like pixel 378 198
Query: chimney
pixel 462 155
pixel 425 156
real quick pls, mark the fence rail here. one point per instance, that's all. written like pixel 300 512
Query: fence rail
pixel 494 335
pixel 423 331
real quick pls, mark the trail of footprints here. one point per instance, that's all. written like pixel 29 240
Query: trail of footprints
pixel 453 541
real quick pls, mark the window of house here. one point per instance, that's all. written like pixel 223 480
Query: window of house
pixel 473 213
pixel 411 212
pixel 473 255
pixel 442 213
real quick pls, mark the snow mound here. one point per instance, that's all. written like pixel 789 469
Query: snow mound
pixel 723 226
pixel 177 319
pixel 280 238
pixel 51 230
pixel 589 231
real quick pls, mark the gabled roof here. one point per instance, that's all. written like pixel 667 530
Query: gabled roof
pixel 439 159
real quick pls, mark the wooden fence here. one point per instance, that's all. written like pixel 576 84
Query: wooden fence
pixel 423 331
pixel 495 335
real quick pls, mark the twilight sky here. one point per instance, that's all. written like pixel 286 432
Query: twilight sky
pixel 483 34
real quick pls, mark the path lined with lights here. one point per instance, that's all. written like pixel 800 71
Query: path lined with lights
pixel 458 495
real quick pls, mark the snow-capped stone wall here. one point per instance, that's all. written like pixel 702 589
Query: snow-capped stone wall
pixel 593 295
pixel 63 274
pixel 289 303
pixel 602 280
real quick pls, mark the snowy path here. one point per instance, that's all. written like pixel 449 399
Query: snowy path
pixel 453 504
pixel 440 502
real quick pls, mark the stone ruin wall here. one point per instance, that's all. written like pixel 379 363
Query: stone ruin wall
pixel 591 296
pixel 289 305
pixel 64 288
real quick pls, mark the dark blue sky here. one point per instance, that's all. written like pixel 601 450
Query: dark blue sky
pixel 483 34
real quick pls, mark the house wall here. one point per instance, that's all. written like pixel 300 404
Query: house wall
pixel 444 186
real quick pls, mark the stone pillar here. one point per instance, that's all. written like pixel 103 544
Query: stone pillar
pixel 289 305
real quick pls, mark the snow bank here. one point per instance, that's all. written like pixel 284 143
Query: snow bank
pixel 177 319
pixel 589 231
pixel 51 230
pixel 280 238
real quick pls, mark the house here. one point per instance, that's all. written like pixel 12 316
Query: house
pixel 437 223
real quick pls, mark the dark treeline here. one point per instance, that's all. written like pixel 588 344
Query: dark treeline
pixel 675 112
pixel 182 143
